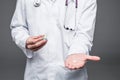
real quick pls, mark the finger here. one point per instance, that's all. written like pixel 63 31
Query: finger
pixel 35 40
pixel 93 58
pixel 70 67
pixel 38 44
pixel 37 48
pixel 78 65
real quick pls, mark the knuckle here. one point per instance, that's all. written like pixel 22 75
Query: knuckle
pixel 28 41
pixel 33 42
pixel 36 45
pixel 42 43
pixel 28 46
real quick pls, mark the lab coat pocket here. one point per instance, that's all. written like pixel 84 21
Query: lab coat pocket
pixel 41 55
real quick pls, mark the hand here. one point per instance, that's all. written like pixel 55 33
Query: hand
pixel 35 42
pixel 77 61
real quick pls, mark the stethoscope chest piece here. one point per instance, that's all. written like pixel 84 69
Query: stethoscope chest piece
pixel 37 3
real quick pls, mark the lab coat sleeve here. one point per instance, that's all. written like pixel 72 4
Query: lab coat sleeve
pixel 19 28
pixel 83 37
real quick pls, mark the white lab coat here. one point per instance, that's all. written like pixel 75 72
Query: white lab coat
pixel 49 19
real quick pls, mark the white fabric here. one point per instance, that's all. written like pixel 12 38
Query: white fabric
pixel 49 18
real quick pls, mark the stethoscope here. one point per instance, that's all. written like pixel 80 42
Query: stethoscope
pixel 76 6
pixel 37 3
pixel 76 3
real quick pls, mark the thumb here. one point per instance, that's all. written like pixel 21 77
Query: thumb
pixel 93 58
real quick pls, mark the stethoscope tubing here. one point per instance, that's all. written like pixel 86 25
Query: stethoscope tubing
pixel 38 2
pixel 76 3
pixel 76 6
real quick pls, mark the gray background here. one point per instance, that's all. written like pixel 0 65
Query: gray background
pixel 106 44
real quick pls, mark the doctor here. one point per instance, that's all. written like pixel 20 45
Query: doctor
pixel 56 37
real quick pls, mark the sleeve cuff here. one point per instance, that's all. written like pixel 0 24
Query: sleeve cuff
pixel 28 53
